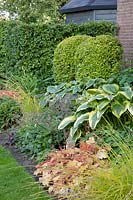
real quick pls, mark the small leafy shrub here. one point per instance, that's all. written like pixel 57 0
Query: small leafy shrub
pixel 109 103
pixel 39 134
pixel 34 140
pixel 98 57
pixel 64 68
pixel 10 113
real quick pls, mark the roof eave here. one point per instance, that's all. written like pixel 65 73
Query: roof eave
pixel 87 8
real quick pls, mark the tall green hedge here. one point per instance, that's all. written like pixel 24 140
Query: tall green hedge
pixel 30 48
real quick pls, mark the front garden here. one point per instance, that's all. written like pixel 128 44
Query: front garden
pixel 66 101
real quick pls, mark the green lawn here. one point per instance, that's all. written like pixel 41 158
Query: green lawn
pixel 15 182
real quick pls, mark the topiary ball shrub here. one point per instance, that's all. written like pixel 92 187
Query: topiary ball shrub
pixel 64 68
pixel 98 57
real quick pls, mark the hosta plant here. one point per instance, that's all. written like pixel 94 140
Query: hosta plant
pixel 108 103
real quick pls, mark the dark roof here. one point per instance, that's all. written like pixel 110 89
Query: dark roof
pixel 84 5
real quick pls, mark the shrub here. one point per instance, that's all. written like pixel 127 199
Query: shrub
pixel 98 57
pixel 9 113
pixel 64 68
pixel 39 135
pixel 30 48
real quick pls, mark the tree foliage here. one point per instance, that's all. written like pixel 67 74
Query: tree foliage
pixel 32 10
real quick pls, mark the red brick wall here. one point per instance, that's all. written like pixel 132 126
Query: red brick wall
pixel 125 21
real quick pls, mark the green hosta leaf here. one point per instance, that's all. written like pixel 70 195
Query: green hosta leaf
pixel 84 106
pixel 55 89
pixel 81 119
pixel 131 108
pixel 51 89
pixel 103 104
pixel 119 108
pixel 111 88
pixel 128 93
pixel 95 117
pixel 66 121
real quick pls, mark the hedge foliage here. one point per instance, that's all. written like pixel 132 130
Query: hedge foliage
pixel 64 68
pixel 30 48
pixel 98 57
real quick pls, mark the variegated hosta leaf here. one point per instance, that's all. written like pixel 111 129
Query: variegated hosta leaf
pixel 111 88
pixel 84 106
pixel 95 117
pixel 90 83
pixel 66 121
pixel 81 119
pixel 77 135
pixel 97 97
pixel 71 139
pixel 131 108
pixel 119 108
pixel 127 92
pixel 103 104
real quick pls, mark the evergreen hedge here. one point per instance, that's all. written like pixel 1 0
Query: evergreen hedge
pixel 30 48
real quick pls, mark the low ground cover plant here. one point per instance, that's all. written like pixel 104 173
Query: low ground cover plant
pixel 61 167
pixel 39 135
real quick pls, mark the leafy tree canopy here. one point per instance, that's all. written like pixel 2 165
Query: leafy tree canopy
pixel 32 10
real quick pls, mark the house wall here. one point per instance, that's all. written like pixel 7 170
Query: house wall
pixel 125 20
pixel 79 17
pixel 98 15
pixel 107 15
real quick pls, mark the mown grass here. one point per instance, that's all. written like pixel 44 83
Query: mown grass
pixel 15 182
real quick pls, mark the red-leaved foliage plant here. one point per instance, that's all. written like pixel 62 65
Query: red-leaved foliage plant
pixel 7 93
pixel 58 172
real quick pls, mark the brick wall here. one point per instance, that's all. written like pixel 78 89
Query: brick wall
pixel 125 20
